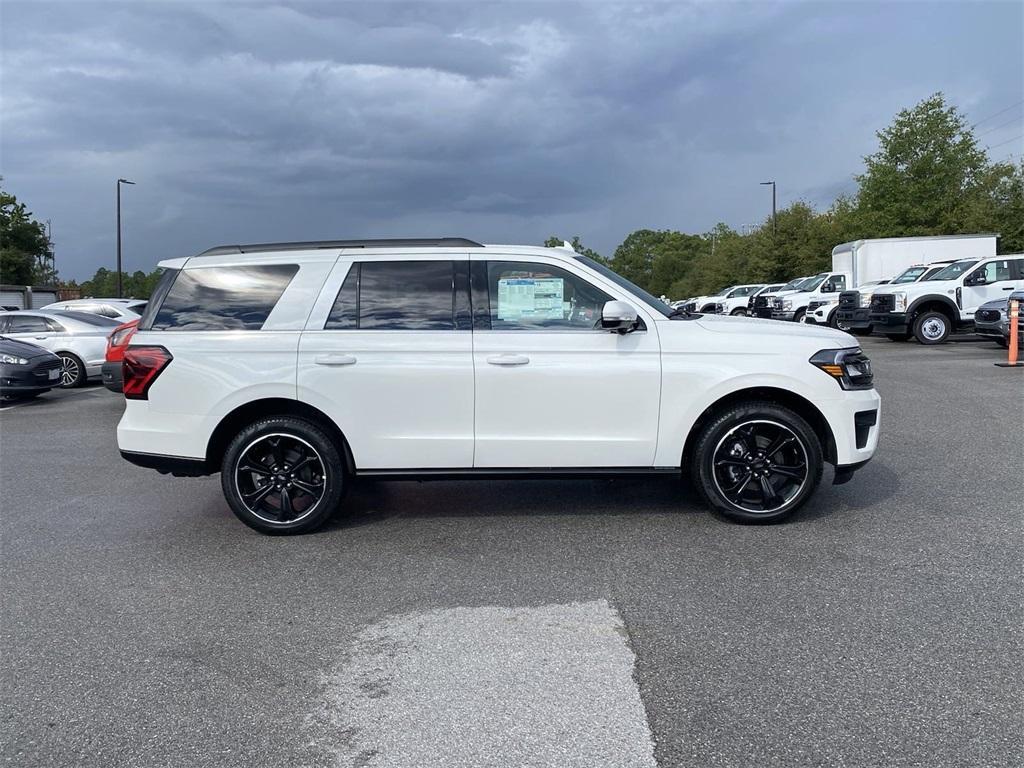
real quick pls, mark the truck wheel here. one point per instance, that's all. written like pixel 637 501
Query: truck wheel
pixel 931 327
pixel 833 319
pixel 282 475
pixel 741 312
pixel 757 462
pixel 799 316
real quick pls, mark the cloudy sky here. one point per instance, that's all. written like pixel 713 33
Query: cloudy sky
pixel 246 122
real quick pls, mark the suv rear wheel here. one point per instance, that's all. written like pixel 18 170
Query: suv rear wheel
pixel 931 327
pixel 282 475
pixel 757 462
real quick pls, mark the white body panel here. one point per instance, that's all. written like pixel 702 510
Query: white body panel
pixel 437 399
pixel 884 258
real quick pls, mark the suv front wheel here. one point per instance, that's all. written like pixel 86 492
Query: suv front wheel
pixel 757 462
pixel 282 475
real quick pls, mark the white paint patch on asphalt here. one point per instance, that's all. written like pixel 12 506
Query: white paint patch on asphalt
pixel 492 686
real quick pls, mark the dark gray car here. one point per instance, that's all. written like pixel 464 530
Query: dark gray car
pixel 992 320
pixel 26 370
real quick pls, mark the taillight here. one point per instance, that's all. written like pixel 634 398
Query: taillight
pixel 121 335
pixel 141 367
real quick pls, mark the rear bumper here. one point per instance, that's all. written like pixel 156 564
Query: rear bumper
pixel 112 376
pixel 179 466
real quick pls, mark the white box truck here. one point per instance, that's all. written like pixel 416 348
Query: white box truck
pixel 864 261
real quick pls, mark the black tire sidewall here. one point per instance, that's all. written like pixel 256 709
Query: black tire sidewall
pixel 334 476
pixel 799 316
pixel 739 312
pixel 703 459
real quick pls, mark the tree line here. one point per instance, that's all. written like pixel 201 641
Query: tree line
pixel 929 176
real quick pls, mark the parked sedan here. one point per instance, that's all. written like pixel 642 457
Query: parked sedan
pixel 992 320
pixel 117 343
pixel 78 338
pixel 26 370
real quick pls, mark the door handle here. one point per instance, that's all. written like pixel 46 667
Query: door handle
pixel 508 359
pixel 334 360
pixel 40 337
pixel 1008 289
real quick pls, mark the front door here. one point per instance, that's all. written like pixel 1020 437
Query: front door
pixel 389 359
pixel 34 329
pixel 1002 276
pixel 553 390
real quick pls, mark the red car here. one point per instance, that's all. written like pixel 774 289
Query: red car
pixel 117 343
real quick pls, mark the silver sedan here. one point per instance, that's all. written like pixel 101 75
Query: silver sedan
pixel 78 338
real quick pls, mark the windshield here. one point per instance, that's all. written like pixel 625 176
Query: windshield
pixel 810 283
pixel 792 284
pixel 909 275
pixel 622 282
pixel 954 270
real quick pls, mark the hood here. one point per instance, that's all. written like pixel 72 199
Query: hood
pixel 999 304
pixel 754 327
pixel 921 286
pixel 22 348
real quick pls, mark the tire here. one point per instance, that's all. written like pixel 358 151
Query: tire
pixel 741 312
pixel 72 371
pixel 799 316
pixel 833 319
pixel 932 328
pixel 283 502
pixel 1004 343
pixel 861 331
pixel 724 459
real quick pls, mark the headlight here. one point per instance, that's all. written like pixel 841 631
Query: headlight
pixel 12 360
pixel 787 305
pixel 865 300
pixel 900 301
pixel 850 367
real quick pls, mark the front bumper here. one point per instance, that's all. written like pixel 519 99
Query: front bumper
pixel 34 378
pixel 854 319
pixel 888 322
pixel 855 421
pixel 783 315
pixel 112 376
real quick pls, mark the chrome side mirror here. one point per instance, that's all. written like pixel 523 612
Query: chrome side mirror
pixel 618 316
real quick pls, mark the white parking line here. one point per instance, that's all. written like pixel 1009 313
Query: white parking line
pixel 547 686
pixel 91 390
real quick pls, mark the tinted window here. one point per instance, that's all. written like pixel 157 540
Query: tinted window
pixel 396 296
pixel 954 270
pixel 525 296
pixel 88 319
pixel 223 298
pixel 163 285
pixel 27 324
pixel 995 271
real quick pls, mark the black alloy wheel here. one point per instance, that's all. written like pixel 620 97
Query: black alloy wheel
pixel 282 475
pixel 758 462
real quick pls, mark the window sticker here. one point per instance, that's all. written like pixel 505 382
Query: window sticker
pixel 528 298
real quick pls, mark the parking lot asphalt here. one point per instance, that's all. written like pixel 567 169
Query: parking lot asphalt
pixel 143 625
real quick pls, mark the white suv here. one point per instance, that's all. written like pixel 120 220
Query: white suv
pixel 293 368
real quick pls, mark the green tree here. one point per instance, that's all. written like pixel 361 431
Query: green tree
pixel 138 285
pixel 926 175
pixel 25 255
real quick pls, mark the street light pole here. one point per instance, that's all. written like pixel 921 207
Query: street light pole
pixel 119 183
pixel 775 227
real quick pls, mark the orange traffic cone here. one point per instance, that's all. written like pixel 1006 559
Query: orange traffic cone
pixel 1013 311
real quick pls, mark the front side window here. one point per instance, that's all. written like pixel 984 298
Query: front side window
pixel 995 271
pixel 529 296
pixel 27 324
pixel 223 298
pixel 742 292
pixel 398 296
pixel 838 282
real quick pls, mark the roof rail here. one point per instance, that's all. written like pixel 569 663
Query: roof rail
pixel 429 242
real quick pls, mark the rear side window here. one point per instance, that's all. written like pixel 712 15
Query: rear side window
pixel 398 296
pixel 222 298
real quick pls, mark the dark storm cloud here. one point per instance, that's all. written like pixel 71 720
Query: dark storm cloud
pixel 504 122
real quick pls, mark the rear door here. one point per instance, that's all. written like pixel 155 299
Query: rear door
pixel 387 354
